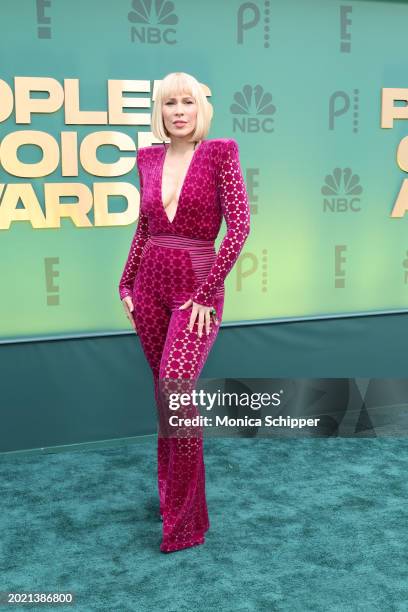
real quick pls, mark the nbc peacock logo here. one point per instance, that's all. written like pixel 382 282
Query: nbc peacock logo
pixel 253 110
pixel 342 188
pixel 153 22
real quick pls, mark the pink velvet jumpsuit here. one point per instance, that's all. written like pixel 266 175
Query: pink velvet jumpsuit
pixel 168 263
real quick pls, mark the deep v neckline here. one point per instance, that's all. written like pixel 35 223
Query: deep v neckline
pixel 162 160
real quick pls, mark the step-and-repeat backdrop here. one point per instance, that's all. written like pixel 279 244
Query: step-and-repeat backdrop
pixel 315 93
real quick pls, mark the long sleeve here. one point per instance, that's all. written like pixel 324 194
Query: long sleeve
pixel 136 248
pixel 235 208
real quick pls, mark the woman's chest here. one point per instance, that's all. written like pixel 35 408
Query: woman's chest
pixel 197 206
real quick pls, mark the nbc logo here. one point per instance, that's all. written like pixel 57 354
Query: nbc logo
pixel 341 188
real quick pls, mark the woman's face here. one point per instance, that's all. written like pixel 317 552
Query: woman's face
pixel 182 108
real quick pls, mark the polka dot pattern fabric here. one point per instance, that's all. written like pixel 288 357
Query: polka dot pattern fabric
pixel 165 281
pixel 213 188
pixel 170 262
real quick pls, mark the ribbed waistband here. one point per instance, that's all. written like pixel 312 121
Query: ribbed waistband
pixel 181 242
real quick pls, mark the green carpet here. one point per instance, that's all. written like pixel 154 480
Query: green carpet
pixel 296 524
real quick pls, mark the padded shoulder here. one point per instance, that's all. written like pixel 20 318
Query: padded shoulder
pixel 224 142
pixel 145 152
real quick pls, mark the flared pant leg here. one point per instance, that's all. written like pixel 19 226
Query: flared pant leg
pixel 152 318
pixel 185 512
pixel 165 280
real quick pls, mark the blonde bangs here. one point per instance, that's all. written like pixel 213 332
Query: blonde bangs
pixel 178 83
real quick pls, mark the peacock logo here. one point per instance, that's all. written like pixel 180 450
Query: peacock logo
pixel 342 187
pixel 255 107
pixel 152 25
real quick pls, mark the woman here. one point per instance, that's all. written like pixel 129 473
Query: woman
pixel 173 282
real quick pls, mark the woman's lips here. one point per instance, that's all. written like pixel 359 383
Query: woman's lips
pixel 180 123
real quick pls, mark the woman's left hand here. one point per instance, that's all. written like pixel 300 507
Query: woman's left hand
pixel 204 316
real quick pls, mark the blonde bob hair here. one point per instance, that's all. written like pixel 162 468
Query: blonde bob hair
pixel 178 83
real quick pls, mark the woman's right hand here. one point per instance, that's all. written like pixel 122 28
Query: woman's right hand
pixel 128 306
